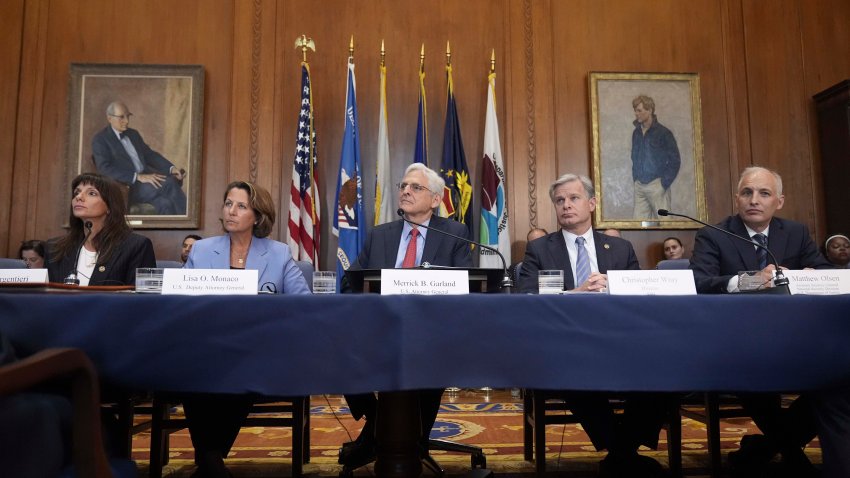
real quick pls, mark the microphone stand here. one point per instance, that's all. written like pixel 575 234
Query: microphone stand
pixel 72 278
pixel 780 282
pixel 506 285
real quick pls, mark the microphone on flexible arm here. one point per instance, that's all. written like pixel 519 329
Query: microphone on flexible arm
pixel 506 285
pixel 72 278
pixel 779 281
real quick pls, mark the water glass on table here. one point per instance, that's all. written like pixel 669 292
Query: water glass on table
pixel 324 282
pixel 550 281
pixel 149 280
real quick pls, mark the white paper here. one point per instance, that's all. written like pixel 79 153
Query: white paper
pixel 652 282
pixel 424 282
pixel 819 282
pixel 23 275
pixel 209 282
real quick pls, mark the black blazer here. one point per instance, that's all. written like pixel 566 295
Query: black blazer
pixel 718 257
pixel 111 159
pixel 550 252
pixel 135 251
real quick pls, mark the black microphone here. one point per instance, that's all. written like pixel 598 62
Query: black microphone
pixel 506 285
pixel 72 278
pixel 780 281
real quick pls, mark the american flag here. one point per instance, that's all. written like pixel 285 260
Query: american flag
pixel 304 223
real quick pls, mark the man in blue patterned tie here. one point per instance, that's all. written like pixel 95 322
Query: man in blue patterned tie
pixel 585 257
pixel 717 261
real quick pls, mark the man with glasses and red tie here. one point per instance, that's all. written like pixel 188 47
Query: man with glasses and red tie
pixel 399 244
pixel 121 153
pixel 585 257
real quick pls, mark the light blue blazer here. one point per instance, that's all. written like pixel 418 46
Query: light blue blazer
pixel 271 259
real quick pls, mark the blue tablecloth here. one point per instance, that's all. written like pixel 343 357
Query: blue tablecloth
pixel 285 345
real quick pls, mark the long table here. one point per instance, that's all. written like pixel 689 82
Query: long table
pixel 300 345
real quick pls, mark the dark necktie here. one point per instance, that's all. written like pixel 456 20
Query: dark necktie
pixel 410 253
pixel 761 253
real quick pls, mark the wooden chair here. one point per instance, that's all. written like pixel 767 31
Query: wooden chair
pixel 298 409
pixel 50 365
pixel 540 408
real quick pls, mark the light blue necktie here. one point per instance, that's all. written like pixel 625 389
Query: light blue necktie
pixel 582 262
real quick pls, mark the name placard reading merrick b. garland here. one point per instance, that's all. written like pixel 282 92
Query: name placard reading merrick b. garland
pixel 424 282
pixel 209 282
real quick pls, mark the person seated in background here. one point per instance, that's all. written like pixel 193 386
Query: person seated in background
pixel 585 256
pixel 186 248
pixel 534 233
pixel 32 253
pixel 837 251
pixel 673 248
pixel 247 216
pixel 99 248
pixel 717 261
pixel 399 244
pixel 612 232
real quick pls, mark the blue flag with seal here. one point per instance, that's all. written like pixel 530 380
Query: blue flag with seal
pixel 349 225
pixel 420 154
pixel 457 195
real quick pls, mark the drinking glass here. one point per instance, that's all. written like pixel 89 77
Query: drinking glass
pixel 149 280
pixel 550 281
pixel 324 282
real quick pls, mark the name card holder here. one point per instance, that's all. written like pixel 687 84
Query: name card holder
pixel 818 282
pixel 23 276
pixel 424 282
pixel 652 282
pixel 209 282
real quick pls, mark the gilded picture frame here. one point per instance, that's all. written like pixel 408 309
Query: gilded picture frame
pixel 166 103
pixel 635 149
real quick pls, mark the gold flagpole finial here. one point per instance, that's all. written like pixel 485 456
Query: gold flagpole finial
pixel 493 61
pixel 422 59
pixel 448 54
pixel 351 50
pixel 303 43
pixel 383 53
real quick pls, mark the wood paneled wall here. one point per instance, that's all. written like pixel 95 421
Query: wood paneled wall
pixel 759 63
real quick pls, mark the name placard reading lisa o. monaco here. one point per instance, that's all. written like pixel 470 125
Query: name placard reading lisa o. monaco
pixel 209 282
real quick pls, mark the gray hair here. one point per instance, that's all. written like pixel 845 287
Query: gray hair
pixel 568 178
pixel 759 169
pixel 435 183
pixel 110 110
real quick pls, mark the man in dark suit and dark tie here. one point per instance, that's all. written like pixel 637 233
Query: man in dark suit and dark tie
pixel 717 262
pixel 121 153
pixel 585 257
pixel 397 244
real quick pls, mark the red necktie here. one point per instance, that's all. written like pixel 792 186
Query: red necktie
pixel 410 253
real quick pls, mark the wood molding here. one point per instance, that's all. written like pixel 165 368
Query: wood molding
pixel 528 42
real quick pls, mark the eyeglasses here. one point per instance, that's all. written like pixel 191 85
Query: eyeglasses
pixel 417 188
pixel 123 117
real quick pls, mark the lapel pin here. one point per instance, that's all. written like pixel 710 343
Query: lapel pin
pixel 606 246
pixel 101 268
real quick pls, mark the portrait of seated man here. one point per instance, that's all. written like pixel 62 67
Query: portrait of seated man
pixel 120 152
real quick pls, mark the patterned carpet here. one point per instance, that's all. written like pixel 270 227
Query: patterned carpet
pixel 491 420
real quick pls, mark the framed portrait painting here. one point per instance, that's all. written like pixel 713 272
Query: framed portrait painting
pixel 142 126
pixel 647 149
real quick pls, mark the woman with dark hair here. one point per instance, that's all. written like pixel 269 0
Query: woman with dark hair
pixel 247 216
pixel 32 253
pixel 673 248
pixel 837 251
pixel 106 250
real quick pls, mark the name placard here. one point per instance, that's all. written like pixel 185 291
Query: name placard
pixel 424 282
pixel 23 275
pixel 209 282
pixel 819 282
pixel 652 282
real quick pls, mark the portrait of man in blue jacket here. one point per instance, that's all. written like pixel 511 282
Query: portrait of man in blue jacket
pixel 655 160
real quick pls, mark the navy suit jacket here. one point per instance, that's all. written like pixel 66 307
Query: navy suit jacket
pixel 550 253
pixel 271 259
pixel 136 251
pixel 111 159
pixel 717 257
pixel 381 248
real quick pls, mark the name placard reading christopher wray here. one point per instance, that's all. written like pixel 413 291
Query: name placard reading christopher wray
pixel 652 282
pixel 209 282
pixel 424 282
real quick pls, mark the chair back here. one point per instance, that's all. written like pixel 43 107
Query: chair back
pixel 8 263
pixel 669 264
pixel 169 265
pixel 307 271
